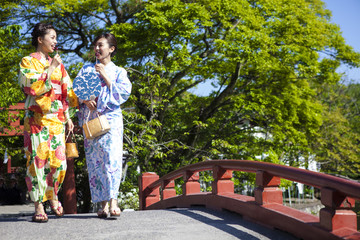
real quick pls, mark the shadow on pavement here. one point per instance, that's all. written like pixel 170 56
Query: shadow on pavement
pixel 233 224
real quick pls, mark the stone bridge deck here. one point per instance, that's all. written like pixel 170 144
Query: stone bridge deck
pixel 194 223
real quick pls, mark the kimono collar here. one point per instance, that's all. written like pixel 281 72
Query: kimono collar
pixel 109 65
pixel 41 59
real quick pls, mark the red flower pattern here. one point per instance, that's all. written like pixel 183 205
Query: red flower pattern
pixel 49 180
pixel 28 183
pixel 60 153
pixel 34 128
pixel 40 163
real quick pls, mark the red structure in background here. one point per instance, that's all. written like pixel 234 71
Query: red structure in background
pixel 336 221
pixel 16 128
pixel 69 202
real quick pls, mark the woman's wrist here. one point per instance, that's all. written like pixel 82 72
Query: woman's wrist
pixel 50 70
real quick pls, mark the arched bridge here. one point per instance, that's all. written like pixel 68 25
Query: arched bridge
pixel 336 220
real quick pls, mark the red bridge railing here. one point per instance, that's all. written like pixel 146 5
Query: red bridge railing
pixel 336 220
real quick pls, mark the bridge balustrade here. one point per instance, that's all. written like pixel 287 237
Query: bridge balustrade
pixel 336 220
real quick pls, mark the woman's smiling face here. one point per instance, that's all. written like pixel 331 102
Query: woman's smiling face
pixel 102 49
pixel 48 42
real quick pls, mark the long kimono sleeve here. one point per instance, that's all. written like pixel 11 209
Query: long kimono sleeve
pixel 33 77
pixel 69 99
pixel 117 94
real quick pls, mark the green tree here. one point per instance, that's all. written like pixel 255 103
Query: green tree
pixel 337 149
pixel 10 54
pixel 267 60
pixel 263 58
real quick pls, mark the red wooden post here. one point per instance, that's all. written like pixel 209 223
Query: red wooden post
pixel 222 181
pixel 147 197
pixel 168 189
pixel 337 213
pixel 9 164
pixel 191 184
pixel 268 189
pixel 69 195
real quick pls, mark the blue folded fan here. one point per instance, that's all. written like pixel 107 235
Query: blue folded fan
pixel 87 85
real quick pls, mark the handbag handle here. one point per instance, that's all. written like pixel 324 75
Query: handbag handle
pixel 72 136
pixel 87 126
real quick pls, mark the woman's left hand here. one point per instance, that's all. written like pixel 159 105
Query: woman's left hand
pixel 70 125
pixel 101 70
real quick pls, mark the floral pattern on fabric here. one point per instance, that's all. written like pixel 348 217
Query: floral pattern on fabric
pixel 104 153
pixel 49 100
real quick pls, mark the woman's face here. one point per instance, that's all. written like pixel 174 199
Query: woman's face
pixel 102 49
pixel 48 42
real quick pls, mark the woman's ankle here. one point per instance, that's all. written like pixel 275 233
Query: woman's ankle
pixel 114 204
pixel 105 205
pixel 39 208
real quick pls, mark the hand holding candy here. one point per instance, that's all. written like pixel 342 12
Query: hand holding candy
pixel 56 60
pixel 99 67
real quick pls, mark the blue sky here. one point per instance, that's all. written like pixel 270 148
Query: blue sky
pixel 346 14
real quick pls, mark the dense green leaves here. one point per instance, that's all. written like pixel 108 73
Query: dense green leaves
pixel 10 54
pixel 337 148
pixel 272 64
pixel 262 56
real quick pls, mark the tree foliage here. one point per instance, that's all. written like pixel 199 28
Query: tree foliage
pixel 269 62
pixel 337 148
pixel 11 52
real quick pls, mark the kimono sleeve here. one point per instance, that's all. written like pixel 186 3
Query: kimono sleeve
pixel 33 77
pixel 117 94
pixel 70 100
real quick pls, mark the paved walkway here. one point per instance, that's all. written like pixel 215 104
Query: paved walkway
pixel 194 223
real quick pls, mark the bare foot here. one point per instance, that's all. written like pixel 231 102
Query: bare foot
pixel 114 208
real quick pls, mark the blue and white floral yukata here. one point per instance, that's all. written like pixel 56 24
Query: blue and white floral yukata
pixel 104 153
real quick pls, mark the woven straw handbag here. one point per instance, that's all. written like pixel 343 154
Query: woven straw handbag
pixel 71 149
pixel 96 127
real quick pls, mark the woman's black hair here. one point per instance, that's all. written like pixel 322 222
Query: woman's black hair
pixel 40 30
pixel 110 39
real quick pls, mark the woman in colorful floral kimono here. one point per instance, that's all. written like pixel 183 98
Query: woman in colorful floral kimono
pixel 49 95
pixel 104 153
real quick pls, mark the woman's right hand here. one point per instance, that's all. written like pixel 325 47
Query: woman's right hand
pixel 56 61
pixel 91 104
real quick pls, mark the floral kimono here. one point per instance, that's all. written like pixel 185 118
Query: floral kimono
pixel 47 110
pixel 104 153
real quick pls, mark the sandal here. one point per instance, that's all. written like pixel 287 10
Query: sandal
pixel 40 218
pixel 103 213
pixel 59 210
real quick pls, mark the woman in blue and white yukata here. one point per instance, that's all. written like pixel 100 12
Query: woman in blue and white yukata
pixel 104 153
